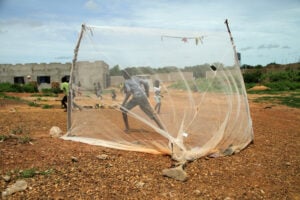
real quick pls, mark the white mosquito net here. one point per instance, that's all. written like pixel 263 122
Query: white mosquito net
pixel 196 104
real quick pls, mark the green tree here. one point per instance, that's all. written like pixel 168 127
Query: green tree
pixel 115 71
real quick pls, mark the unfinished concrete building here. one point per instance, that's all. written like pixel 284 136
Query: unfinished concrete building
pixel 46 73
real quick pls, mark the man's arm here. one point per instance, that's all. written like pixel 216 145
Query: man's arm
pixel 146 87
pixel 127 95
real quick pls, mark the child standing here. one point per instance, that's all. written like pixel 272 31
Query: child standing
pixel 157 96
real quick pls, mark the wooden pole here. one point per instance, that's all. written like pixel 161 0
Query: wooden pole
pixel 232 42
pixel 83 28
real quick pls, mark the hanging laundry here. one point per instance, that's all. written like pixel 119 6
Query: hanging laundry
pixel 184 40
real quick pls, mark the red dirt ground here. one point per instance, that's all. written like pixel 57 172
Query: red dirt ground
pixel 267 169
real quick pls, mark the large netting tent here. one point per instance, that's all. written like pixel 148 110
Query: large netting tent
pixel 162 91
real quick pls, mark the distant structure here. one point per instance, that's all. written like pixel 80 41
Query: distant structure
pixel 44 74
pixel 163 77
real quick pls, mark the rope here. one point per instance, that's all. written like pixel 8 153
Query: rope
pixel 185 39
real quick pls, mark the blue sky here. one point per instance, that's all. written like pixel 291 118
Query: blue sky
pixel 264 31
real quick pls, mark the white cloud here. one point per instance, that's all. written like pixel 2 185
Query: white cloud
pixel 91 5
pixel 268 46
pixel 54 31
pixel 246 48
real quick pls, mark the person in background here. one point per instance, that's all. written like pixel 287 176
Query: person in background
pixel 113 94
pixel 133 87
pixel 98 90
pixel 157 96
pixel 65 88
pixel 79 89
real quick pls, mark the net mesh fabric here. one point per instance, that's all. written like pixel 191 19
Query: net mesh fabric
pixel 203 112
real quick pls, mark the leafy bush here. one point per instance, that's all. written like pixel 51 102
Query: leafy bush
pixel 30 88
pixel 5 87
pixel 253 77
pixel 33 104
pixel 283 85
pixel 51 90
pixel 278 76
pixel 250 85
pixel 8 87
pixel 47 106
pixel 276 80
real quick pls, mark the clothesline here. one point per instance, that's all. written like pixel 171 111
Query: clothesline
pixel 185 39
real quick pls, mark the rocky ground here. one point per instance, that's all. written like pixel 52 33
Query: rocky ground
pixel 58 169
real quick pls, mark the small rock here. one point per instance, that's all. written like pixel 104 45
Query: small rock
pixel 176 173
pixel 108 165
pixel 6 178
pixel 229 151
pixel 74 159
pixel 139 184
pixel 197 192
pixel 12 110
pixel 20 185
pixel 102 157
pixel 288 164
pixel 55 132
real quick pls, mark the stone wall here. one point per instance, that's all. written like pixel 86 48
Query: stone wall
pixel 55 71
pixel 46 73
pixel 88 74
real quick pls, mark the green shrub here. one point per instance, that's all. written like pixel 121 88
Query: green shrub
pixel 278 76
pixel 51 92
pixel 5 87
pixel 30 88
pixel 17 131
pixel 25 139
pixel 291 100
pixel 283 85
pixel 33 104
pixel 8 87
pixel 3 137
pixel 47 106
pixel 253 77
pixel 28 173
pixel 250 85
pixel 56 90
pixel 16 88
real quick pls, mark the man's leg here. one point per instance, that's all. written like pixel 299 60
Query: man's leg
pixel 63 102
pixel 158 122
pixel 124 110
pixel 158 107
pixel 146 107
pixel 125 119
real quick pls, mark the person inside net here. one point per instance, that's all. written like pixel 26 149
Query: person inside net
pixel 139 89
